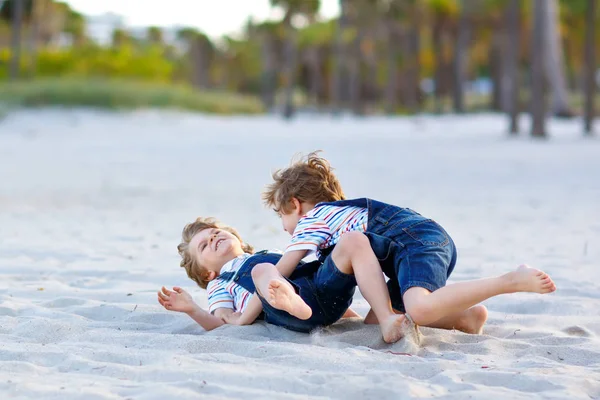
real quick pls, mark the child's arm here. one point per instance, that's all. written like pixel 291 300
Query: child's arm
pixel 289 261
pixel 286 265
pixel 181 301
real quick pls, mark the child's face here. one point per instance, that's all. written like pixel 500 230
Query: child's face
pixel 213 248
pixel 289 221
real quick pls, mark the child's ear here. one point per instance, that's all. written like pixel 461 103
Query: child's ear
pixel 297 205
pixel 210 275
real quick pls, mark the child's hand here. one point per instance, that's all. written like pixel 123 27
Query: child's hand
pixel 176 300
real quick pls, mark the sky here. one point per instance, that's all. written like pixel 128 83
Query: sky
pixel 213 17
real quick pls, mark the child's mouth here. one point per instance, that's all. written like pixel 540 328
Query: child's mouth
pixel 218 243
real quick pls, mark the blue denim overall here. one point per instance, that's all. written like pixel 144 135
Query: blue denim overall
pixel 413 251
pixel 327 305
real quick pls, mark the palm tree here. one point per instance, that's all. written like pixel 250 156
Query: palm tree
pixel 391 23
pixel 154 35
pixel 413 50
pixel 267 35
pixel 538 128
pixel 442 16
pixel 554 60
pixel 292 8
pixel 76 27
pixel 590 66
pixel 37 14
pixel 313 58
pixel 460 56
pixel 200 50
pixel 338 72
pixel 120 37
pixel 512 64
pixel 17 21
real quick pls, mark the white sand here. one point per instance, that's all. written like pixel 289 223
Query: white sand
pixel 92 205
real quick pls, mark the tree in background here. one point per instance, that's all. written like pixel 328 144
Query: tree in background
pixel 554 60
pixel 292 9
pixel 15 11
pixel 461 55
pixel 154 35
pixel 200 51
pixel 512 64
pixel 590 67
pixel 538 109
pixel 338 71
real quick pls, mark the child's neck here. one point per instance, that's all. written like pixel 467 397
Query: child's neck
pixel 233 257
pixel 306 207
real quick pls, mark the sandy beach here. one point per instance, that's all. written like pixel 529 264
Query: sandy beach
pixel 91 209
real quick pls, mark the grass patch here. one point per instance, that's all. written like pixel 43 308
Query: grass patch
pixel 111 94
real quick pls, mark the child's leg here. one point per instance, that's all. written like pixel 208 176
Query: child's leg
pixel 280 294
pixel 353 255
pixel 468 321
pixel 426 308
pixel 350 313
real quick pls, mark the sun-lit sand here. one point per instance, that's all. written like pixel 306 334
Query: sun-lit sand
pixel 91 209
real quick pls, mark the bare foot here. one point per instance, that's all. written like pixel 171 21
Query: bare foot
pixel 527 279
pixel 283 297
pixel 392 328
pixel 472 320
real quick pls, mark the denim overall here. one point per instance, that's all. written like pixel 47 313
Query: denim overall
pixel 413 251
pixel 303 281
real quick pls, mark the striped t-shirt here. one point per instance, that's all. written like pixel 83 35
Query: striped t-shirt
pixel 226 293
pixel 323 226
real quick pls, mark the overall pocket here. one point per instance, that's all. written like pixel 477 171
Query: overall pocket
pixel 428 233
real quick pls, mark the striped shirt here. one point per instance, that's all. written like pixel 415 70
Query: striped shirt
pixel 323 226
pixel 226 293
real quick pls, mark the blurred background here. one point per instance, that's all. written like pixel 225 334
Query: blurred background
pixel 305 56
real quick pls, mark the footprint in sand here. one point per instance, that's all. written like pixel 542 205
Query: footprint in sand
pixel 577 331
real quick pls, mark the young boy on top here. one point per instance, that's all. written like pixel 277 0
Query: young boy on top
pixel 415 253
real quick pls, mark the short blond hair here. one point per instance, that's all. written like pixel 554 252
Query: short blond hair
pixel 194 270
pixel 309 179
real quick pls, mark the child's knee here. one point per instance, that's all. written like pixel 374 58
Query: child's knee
pixel 261 269
pixel 352 241
pixel 418 306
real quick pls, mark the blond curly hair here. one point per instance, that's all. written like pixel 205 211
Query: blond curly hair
pixel 194 270
pixel 309 179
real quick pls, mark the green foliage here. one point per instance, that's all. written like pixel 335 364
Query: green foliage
pixel 317 34
pixel 123 62
pixel 119 94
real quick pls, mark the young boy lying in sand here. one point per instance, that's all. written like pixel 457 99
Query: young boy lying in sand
pixel 215 257
pixel 414 252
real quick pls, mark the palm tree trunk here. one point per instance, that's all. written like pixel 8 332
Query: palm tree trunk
pixel 460 56
pixel 413 71
pixel 590 67
pixel 354 74
pixel 438 52
pixel 289 70
pixel 200 64
pixel 496 70
pixel 34 33
pixel 339 62
pixel 512 65
pixel 17 22
pixel 538 128
pixel 316 76
pixel 391 89
pixel 554 61
pixel 269 74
